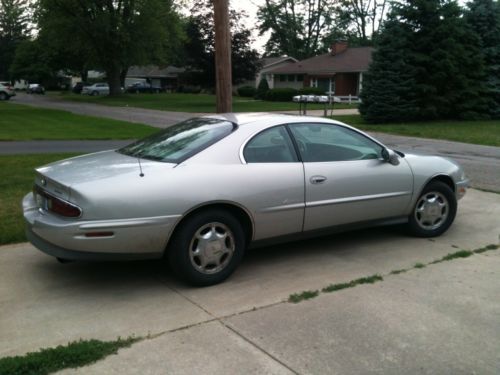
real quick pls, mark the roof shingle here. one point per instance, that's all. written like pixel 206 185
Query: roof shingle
pixel 353 59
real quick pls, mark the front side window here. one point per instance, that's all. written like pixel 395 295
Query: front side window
pixel 270 146
pixel 181 141
pixel 328 142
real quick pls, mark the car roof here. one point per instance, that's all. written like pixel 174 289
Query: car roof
pixel 251 117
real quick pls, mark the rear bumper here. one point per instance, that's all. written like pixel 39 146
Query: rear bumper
pixel 137 238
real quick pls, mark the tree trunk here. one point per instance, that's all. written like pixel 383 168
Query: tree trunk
pixel 113 75
pixel 223 74
pixel 123 75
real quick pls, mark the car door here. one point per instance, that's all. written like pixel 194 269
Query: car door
pixel 275 183
pixel 346 178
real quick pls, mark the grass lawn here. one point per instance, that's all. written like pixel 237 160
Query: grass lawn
pixel 16 180
pixel 203 103
pixel 476 132
pixel 22 123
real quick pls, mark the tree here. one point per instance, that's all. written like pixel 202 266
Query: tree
pixel 297 26
pixel 438 60
pixel 483 16
pixel 199 50
pixel 388 92
pixel 360 19
pixel 31 62
pixel 14 28
pixel 115 34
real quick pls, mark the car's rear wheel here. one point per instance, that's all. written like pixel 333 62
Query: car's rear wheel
pixel 207 247
pixel 3 96
pixel 434 210
pixel 95 93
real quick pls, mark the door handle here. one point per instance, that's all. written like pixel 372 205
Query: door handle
pixel 317 179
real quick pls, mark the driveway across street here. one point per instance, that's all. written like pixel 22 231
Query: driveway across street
pixel 443 318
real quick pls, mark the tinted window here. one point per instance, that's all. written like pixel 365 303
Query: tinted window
pixel 180 141
pixel 270 146
pixel 325 142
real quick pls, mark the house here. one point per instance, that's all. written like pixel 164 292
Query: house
pixel 269 63
pixel 167 77
pixel 339 72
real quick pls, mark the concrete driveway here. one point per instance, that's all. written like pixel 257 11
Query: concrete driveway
pixel 444 318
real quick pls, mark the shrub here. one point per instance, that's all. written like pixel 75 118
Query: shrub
pixel 247 91
pixel 189 89
pixel 281 94
pixel 262 89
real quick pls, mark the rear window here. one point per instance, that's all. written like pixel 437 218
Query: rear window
pixel 181 141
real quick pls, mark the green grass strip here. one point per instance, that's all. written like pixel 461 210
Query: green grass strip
pixel 74 354
pixel 363 280
pixel 307 294
pixel 486 248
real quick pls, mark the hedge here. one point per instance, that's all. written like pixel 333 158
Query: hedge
pixel 247 91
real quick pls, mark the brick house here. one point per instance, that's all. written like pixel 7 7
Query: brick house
pixel 339 72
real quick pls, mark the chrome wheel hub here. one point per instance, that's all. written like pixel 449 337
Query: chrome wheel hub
pixel 211 248
pixel 431 210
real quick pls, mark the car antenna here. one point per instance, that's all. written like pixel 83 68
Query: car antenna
pixel 140 167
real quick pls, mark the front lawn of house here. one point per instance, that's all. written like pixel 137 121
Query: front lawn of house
pixel 195 103
pixel 16 180
pixel 24 123
pixel 476 132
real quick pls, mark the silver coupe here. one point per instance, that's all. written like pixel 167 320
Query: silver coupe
pixel 200 192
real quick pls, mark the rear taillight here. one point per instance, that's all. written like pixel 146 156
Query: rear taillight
pixel 57 205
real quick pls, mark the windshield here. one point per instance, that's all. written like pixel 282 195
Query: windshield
pixel 181 141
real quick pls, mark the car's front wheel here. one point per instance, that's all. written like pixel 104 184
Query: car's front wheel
pixel 207 247
pixel 434 211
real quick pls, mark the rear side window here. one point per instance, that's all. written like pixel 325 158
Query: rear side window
pixel 270 146
pixel 181 141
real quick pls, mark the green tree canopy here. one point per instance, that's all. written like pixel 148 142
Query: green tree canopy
pixel 14 28
pixel 199 50
pixel 297 27
pixel 111 35
pixel 435 67
pixel 483 17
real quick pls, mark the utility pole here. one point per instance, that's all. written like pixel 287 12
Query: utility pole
pixel 223 85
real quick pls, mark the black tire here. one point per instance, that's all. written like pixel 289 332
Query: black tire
pixel 95 93
pixel 180 252
pixel 445 210
pixel 4 96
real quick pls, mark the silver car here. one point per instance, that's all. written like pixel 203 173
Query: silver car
pixel 96 89
pixel 202 191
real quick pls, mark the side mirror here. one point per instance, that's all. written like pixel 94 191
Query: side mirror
pixel 390 156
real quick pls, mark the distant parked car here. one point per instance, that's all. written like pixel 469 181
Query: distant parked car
pixel 96 89
pixel 6 91
pixel 77 88
pixel 35 88
pixel 141 87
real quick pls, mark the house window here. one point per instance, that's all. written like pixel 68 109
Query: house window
pixel 291 78
pixel 300 77
pixel 282 78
